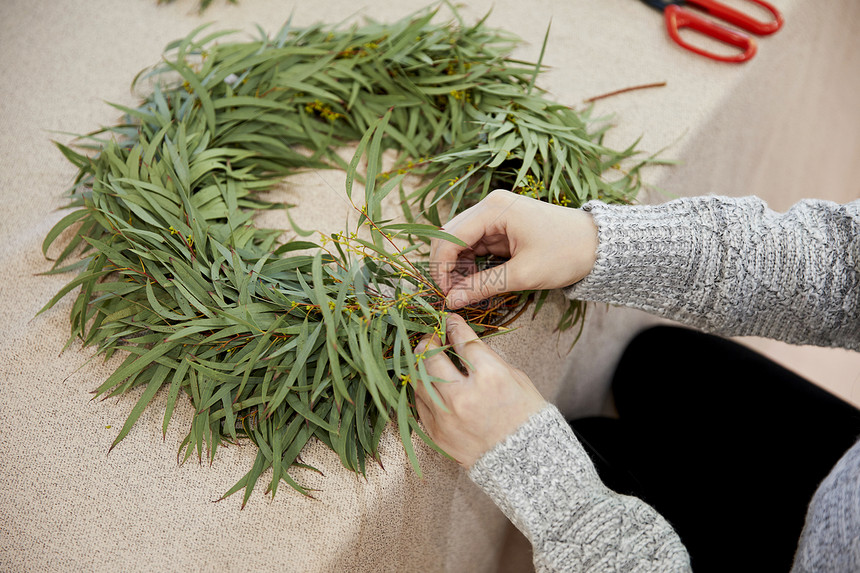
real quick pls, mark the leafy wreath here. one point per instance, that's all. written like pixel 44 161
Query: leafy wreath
pixel 278 341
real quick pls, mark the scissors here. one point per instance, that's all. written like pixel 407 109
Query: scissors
pixel 677 18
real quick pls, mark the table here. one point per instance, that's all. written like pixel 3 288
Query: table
pixel 783 126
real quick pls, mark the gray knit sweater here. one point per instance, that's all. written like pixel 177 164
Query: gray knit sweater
pixel 728 266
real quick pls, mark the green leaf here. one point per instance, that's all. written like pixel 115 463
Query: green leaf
pixel 154 385
pixel 61 226
pixel 403 416
pixel 423 231
pixel 173 394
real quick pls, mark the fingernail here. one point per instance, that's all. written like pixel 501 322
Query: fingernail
pixel 454 321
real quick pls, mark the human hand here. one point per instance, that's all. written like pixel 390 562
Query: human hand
pixel 484 405
pixel 549 246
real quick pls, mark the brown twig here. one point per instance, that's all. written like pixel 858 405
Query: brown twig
pixel 621 91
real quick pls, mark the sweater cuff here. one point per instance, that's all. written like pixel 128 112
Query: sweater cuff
pixel 732 266
pixel 672 259
pixel 642 250
pixel 537 473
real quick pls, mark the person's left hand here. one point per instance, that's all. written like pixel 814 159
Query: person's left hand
pixel 485 405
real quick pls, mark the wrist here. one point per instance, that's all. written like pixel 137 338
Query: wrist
pixel 580 248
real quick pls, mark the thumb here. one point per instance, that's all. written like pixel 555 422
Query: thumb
pixel 479 286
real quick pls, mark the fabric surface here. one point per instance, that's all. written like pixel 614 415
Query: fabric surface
pixel 752 273
pixel 69 506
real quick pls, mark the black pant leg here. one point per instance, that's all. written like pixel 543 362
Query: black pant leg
pixel 724 443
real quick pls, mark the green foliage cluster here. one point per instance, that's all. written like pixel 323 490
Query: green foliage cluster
pixel 280 342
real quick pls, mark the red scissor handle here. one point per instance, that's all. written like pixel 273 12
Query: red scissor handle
pixel 739 19
pixel 678 18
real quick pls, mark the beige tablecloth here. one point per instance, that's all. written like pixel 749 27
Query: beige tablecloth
pixel 783 126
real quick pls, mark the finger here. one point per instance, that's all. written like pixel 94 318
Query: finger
pixel 437 365
pixel 425 414
pixel 479 286
pixel 443 260
pixel 444 254
pixel 465 341
pixel 465 265
pixel 470 226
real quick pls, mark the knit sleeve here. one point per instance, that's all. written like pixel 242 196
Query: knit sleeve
pixel 734 267
pixel 545 483
pixel 830 542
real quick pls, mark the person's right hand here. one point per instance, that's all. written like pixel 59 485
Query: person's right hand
pixel 549 246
